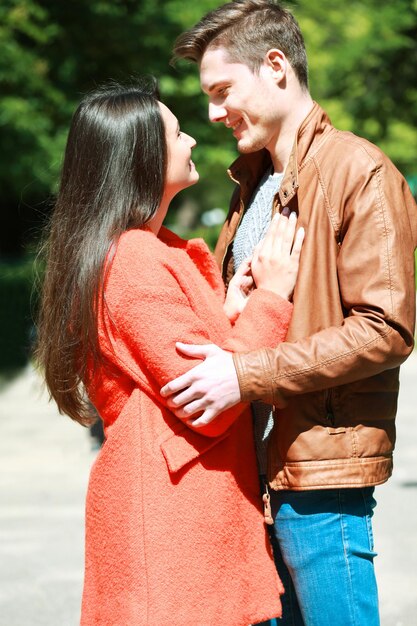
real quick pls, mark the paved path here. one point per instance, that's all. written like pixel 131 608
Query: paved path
pixel 395 525
pixel 44 465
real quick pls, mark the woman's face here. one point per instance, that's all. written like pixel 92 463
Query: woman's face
pixel 181 172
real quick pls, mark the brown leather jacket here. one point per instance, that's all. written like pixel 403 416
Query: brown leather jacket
pixel 335 380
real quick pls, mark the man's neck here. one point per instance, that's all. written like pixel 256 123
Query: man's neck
pixel 280 153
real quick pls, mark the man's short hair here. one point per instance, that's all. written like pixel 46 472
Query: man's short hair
pixel 247 29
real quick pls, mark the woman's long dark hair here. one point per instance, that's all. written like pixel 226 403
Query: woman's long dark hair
pixel 112 179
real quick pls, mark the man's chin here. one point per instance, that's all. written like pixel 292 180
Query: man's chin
pixel 244 149
pixel 247 148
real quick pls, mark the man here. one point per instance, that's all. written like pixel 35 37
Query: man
pixel 334 381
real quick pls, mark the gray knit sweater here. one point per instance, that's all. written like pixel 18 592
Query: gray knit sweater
pixel 252 229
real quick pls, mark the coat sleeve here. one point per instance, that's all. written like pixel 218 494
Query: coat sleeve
pixel 147 312
pixel 376 278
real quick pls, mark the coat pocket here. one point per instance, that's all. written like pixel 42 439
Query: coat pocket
pixel 185 445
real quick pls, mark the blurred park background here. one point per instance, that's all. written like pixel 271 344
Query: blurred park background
pixel 363 70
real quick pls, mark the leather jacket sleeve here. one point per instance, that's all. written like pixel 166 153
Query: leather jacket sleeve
pixel 375 268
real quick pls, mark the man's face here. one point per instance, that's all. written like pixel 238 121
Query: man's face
pixel 245 102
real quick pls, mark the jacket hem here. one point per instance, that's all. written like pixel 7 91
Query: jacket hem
pixel 314 475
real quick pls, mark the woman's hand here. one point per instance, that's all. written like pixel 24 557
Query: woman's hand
pixel 238 291
pixel 276 258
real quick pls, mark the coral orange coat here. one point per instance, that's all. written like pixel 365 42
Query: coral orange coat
pixel 174 528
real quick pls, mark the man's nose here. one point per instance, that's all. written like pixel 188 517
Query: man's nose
pixel 216 113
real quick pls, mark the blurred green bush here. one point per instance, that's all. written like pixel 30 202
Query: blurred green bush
pixel 17 306
pixel 18 303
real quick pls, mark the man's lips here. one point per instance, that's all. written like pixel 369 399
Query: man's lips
pixel 233 125
pixel 236 127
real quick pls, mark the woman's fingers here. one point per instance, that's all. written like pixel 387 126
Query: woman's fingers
pixel 256 251
pixel 298 243
pixel 288 234
pixel 272 231
pixel 244 267
pixel 279 237
pixel 276 261
pixel 246 283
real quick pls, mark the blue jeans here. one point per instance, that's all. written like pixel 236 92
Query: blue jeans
pixel 323 550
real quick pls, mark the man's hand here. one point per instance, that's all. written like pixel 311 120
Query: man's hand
pixel 211 386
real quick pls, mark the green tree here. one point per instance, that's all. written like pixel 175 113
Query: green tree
pixel 30 140
pixel 363 60
pixel 363 56
pixel 52 53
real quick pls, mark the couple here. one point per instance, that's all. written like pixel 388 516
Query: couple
pixel 175 532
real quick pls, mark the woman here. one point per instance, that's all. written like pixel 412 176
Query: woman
pixel 174 532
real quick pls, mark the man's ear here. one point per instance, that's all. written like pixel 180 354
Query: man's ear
pixel 276 61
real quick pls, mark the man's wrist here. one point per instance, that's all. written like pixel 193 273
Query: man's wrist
pixel 255 377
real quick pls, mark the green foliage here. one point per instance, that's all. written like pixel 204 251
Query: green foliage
pixel 363 58
pixel 362 54
pixel 208 233
pixel 16 325
pixel 28 101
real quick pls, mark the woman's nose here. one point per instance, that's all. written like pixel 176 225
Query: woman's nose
pixel 191 141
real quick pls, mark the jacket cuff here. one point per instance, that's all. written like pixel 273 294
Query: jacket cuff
pixel 255 378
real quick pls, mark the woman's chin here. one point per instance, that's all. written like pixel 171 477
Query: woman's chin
pixel 194 178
